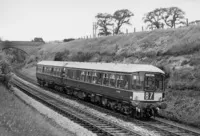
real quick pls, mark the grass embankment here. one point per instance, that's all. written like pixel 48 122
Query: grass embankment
pixel 19 119
pixel 176 51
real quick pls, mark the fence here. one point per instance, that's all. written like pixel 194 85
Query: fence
pixel 135 30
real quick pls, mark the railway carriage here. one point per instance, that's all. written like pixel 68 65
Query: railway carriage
pixel 135 89
pixel 49 73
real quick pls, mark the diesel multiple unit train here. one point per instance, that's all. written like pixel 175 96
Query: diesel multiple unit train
pixel 133 89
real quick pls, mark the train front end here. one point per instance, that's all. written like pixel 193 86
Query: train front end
pixel 149 93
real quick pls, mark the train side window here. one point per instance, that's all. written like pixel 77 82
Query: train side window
pixel 136 84
pixel 99 78
pixel 57 72
pixel 125 82
pixel 74 74
pixel 83 75
pixel 106 79
pixel 112 80
pixel 66 72
pixel 119 80
pixel 88 76
pixel 70 73
pixel 55 69
pixel 94 77
pixel 42 69
pixel 48 70
pixel 45 69
pixel 52 70
pixel 122 81
pixel 60 72
pixel 78 74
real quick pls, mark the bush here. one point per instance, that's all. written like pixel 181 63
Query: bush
pixel 62 56
pixel 68 40
pixel 184 80
pixel 82 56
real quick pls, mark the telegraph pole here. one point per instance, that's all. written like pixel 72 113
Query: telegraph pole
pixel 95 29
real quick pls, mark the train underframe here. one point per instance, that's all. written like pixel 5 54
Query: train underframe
pixel 140 110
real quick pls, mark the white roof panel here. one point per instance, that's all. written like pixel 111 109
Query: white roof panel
pixel 118 67
pixel 52 63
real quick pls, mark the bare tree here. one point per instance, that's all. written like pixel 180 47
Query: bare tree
pixel 104 20
pixel 173 16
pixel 154 19
pixel 122 17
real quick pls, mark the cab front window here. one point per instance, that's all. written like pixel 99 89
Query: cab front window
pixel 154 82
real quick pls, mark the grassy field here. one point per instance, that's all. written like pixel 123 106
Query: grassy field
pixel 176 51
pixel 19 119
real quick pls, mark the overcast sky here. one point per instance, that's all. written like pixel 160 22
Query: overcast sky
pixel 59 19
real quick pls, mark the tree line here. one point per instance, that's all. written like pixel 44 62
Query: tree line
pixel 158 18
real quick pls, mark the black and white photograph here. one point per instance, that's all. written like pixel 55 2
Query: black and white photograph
pixel 99 68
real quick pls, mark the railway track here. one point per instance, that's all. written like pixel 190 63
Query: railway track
pixel 88 120
pixel 162 127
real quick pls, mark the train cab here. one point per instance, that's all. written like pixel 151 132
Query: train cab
pixel 148 86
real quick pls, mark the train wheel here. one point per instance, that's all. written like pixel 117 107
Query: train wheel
pixel 39 82
pixel 61 89
pixel 112 105
pixel 97 99
pixel 43 83
pixel 81 95
pixel 104 102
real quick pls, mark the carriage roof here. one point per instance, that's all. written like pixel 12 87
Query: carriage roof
pixel 117 67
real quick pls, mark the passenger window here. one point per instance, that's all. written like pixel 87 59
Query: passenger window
pixel 52 70
pixel 58 72
pixel 88 76
pixel 106 79
pixel 46 69
pixel 55 71
pixel 119 80
pixel 136 84
pixel 78 74
pixel 122 81
pixel 74 74
pixel 83 76
pixel 99 78
pixel 66 72
pixel 70 73
pixel 94 77
pixel 112 80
